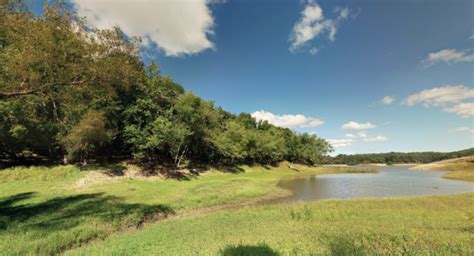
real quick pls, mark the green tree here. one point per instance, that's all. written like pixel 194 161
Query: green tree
pixel 231 142
pixel 85 139
pixel 62 68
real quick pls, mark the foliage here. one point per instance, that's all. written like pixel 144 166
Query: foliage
pixel 87 137
pixel 64 87
pixel 396 157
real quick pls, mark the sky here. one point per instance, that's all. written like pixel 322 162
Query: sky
pixel 367 75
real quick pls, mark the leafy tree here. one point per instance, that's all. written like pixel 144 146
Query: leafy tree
pixel 231 142
pixel 63 68
pixel 203 119
pixel 65 87
pixel 397 157
pixel 87 137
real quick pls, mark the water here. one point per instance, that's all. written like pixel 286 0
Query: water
pixel 391 181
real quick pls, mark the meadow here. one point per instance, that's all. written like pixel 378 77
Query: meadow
pixel 48 210
pixel 440 225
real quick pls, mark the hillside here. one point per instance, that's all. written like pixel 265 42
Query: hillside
pixel 458 168
pixel 398 157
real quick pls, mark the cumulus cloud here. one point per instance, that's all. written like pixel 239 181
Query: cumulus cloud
pixel 465 129
pixel 375 138
pixel 449 56
pixel 361 134
pixel 387 100
pixel 451 98
pixel 440 95
pixel 312 24
pixel 357 137
pixel 464 110
pixel 357 126
pixel 177 27
pixel 340 143
pixel 287 121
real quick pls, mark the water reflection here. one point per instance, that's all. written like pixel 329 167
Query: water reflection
pixel 391 181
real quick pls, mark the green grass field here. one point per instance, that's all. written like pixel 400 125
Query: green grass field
pixel 440 225
pixel 49 210
pixel 56 210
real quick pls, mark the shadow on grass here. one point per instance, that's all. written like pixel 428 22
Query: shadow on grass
pixel 249 250
pixel 231 169
pixel 96 214
pixel 346 246
pixel 111 170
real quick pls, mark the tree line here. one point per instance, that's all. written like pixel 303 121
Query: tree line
pixel 396 157
pixel 72 93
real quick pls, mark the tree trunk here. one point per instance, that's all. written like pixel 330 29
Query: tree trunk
pixel 181 157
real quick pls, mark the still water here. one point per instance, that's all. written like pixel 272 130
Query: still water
pixel 391 181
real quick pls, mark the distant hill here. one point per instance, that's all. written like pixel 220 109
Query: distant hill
pixel 397 157
pixel 445 164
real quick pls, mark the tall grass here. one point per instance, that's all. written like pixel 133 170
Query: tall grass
pixel 438 225
pixel 43 211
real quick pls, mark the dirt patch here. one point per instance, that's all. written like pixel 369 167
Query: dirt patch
pixel 129 172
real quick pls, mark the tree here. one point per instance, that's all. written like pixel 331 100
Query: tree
pixel 61 68
pixel 87 137
pixel 68 89
pixel 231 142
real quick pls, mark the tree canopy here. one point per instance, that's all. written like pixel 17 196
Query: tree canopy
pixel 397 157
pixel 71 91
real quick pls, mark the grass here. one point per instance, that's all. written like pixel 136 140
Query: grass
pixel 459 168
pixel 43 211
pixel 460 171
pixel 441 225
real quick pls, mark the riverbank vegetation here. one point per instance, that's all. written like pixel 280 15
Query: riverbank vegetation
pixel 49 210
pixel 352 227
pixel 459 168
pixel 102 133
pixel 73 94
pixel 396 157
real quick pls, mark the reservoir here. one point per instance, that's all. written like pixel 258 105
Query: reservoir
pixel 391 181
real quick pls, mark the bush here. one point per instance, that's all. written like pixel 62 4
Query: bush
pixel 87 137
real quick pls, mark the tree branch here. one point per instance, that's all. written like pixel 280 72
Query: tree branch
pixel 8 95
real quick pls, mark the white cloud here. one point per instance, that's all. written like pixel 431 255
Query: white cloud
pixel 353 138
pixel 312 24
pixel 361 134
pixel 465 129
pixel 177 27
pixel 358 126
pixel 287 121
pixel 464 110
pixel 340 143
pixel 343 12
pixel 440 96
pixel 313 51
pixel 450 97
pixel 449 56
pixel 387 100
pixel 375 138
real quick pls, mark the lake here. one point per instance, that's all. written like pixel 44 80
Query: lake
pixel 391 181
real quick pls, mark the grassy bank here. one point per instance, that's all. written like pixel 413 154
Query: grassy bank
pixel 416 226
pixel 47 210
pixel 459 168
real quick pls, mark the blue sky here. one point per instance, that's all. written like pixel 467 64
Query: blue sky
pixel 279 58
